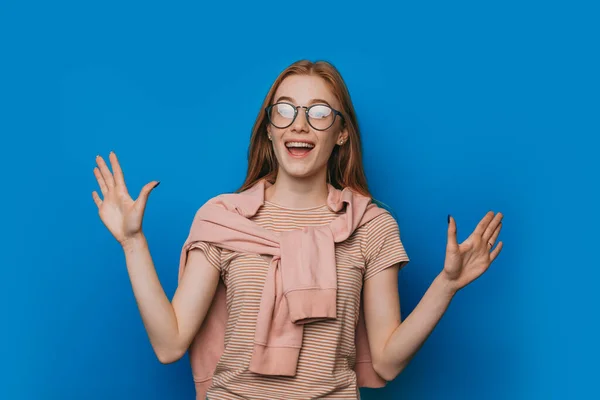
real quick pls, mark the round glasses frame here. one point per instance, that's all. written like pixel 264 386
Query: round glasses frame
pixel 306 111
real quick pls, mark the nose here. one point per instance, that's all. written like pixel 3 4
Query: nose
pixel 301 123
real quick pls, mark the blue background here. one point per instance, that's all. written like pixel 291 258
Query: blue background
pixel 464 107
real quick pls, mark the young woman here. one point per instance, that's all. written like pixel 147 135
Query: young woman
pixel 280 276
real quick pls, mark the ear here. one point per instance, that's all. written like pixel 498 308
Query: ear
pixel 343 136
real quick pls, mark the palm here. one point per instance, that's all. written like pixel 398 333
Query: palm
pixel 118 211
pixel 468 260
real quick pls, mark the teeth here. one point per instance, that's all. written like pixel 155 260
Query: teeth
pixel 299 144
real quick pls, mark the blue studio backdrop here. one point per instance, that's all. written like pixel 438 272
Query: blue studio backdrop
pixel 464 107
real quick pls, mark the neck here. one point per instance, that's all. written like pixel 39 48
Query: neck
pixel 298 192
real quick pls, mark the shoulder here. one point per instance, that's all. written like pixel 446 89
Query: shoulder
pixel 382 246
pixel 204 207
pixel 220 198
pixel 226 201
pixel 242 203
pixel 382 229
pixel 383 222
pixel 386 207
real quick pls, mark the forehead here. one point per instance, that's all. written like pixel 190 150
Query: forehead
pixel 304 88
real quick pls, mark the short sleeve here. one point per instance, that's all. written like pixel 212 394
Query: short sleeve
pixel 212 253
pixel 382 247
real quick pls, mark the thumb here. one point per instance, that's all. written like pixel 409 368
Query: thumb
pixel 452 241
pixel 145 192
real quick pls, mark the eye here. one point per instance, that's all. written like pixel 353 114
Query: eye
pixel 319 112
pixel 285 110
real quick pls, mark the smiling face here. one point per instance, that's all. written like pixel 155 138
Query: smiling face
pixel 302 150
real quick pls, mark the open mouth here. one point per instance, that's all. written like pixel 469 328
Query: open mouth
pixel 299 149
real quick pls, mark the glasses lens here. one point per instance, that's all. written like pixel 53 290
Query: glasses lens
pixel 320 116
pixel 282 115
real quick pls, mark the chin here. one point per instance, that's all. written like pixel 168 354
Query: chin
pixel 297 173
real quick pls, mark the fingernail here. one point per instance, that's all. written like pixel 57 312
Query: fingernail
pixel 158 183
pixel 448 218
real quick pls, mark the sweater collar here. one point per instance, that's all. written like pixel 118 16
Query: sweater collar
pixel 250 200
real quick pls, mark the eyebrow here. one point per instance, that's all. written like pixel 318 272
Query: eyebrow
pixel 313 101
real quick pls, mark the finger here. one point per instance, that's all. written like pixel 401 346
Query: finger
pixel 101 181
pixel 492 226
pixel 117 171
pixel 492 240
pixel 496 251
pixel 452 241
pixel 96 198
pixel 108 178
pixel 144 193
pixel 483 224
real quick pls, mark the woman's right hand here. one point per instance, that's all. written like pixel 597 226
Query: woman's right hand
pixel 118 211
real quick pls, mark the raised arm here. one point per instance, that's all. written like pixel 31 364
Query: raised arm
pixel 394 343
pixel 171 326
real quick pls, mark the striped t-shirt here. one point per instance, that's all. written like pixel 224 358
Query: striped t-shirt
pixel 325 364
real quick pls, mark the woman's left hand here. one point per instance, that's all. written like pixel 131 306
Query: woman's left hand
pixel 467 261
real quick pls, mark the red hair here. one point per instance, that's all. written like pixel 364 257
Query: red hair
pixel 345 166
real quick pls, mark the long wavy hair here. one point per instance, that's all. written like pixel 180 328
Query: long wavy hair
pixel 345 165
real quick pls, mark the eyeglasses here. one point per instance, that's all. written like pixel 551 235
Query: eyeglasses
pixel 319 116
